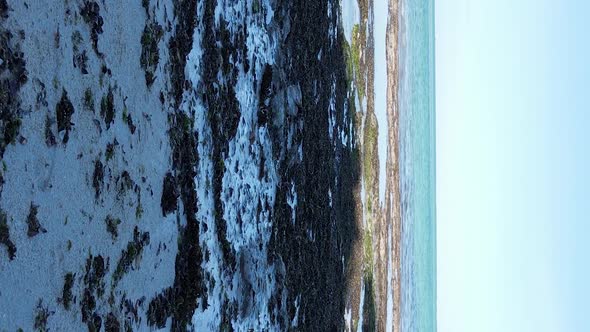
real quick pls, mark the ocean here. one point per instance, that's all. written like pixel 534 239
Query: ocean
pixel 417 165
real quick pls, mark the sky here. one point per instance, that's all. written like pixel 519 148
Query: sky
pixel 513 163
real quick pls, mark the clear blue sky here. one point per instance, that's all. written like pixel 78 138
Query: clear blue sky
pixel 513 165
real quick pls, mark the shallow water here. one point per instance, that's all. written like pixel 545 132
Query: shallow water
pixel 417 166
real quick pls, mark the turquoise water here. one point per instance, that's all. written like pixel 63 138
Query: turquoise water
pixel 417 165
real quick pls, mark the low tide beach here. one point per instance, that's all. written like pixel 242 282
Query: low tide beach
pixel 207 165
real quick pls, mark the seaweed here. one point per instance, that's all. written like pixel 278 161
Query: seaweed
pixel 88 304
pixel 34 226
pixel 145 4
pixel 110 150
pixel 125 183
pixel 128 120
pixel 66 297
pixel 95 323
pixel 42 314
pixel 150 55
pixel 181 43
pixel 131 253
pixel 91 15
pixel 326 165
pixel 49 136
pixel 88 100
pixel 64 110
pixel 160 308
pixel 98 178
pixel 265 95
pixel 11 129
pixel 10 84
pixel 94 287
pixel 5 236
pixel 169 200
pixel 56 38
pixel 112 323
pixel 138 210
pixel 3 9
pixel 80 59
pixel 112 226
pixel 41 98
pixel 107 108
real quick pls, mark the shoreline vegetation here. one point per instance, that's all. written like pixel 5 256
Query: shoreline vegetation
pixel 193 165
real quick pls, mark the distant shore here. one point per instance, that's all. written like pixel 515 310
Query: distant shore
pixel 390 219
pixel 379 222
